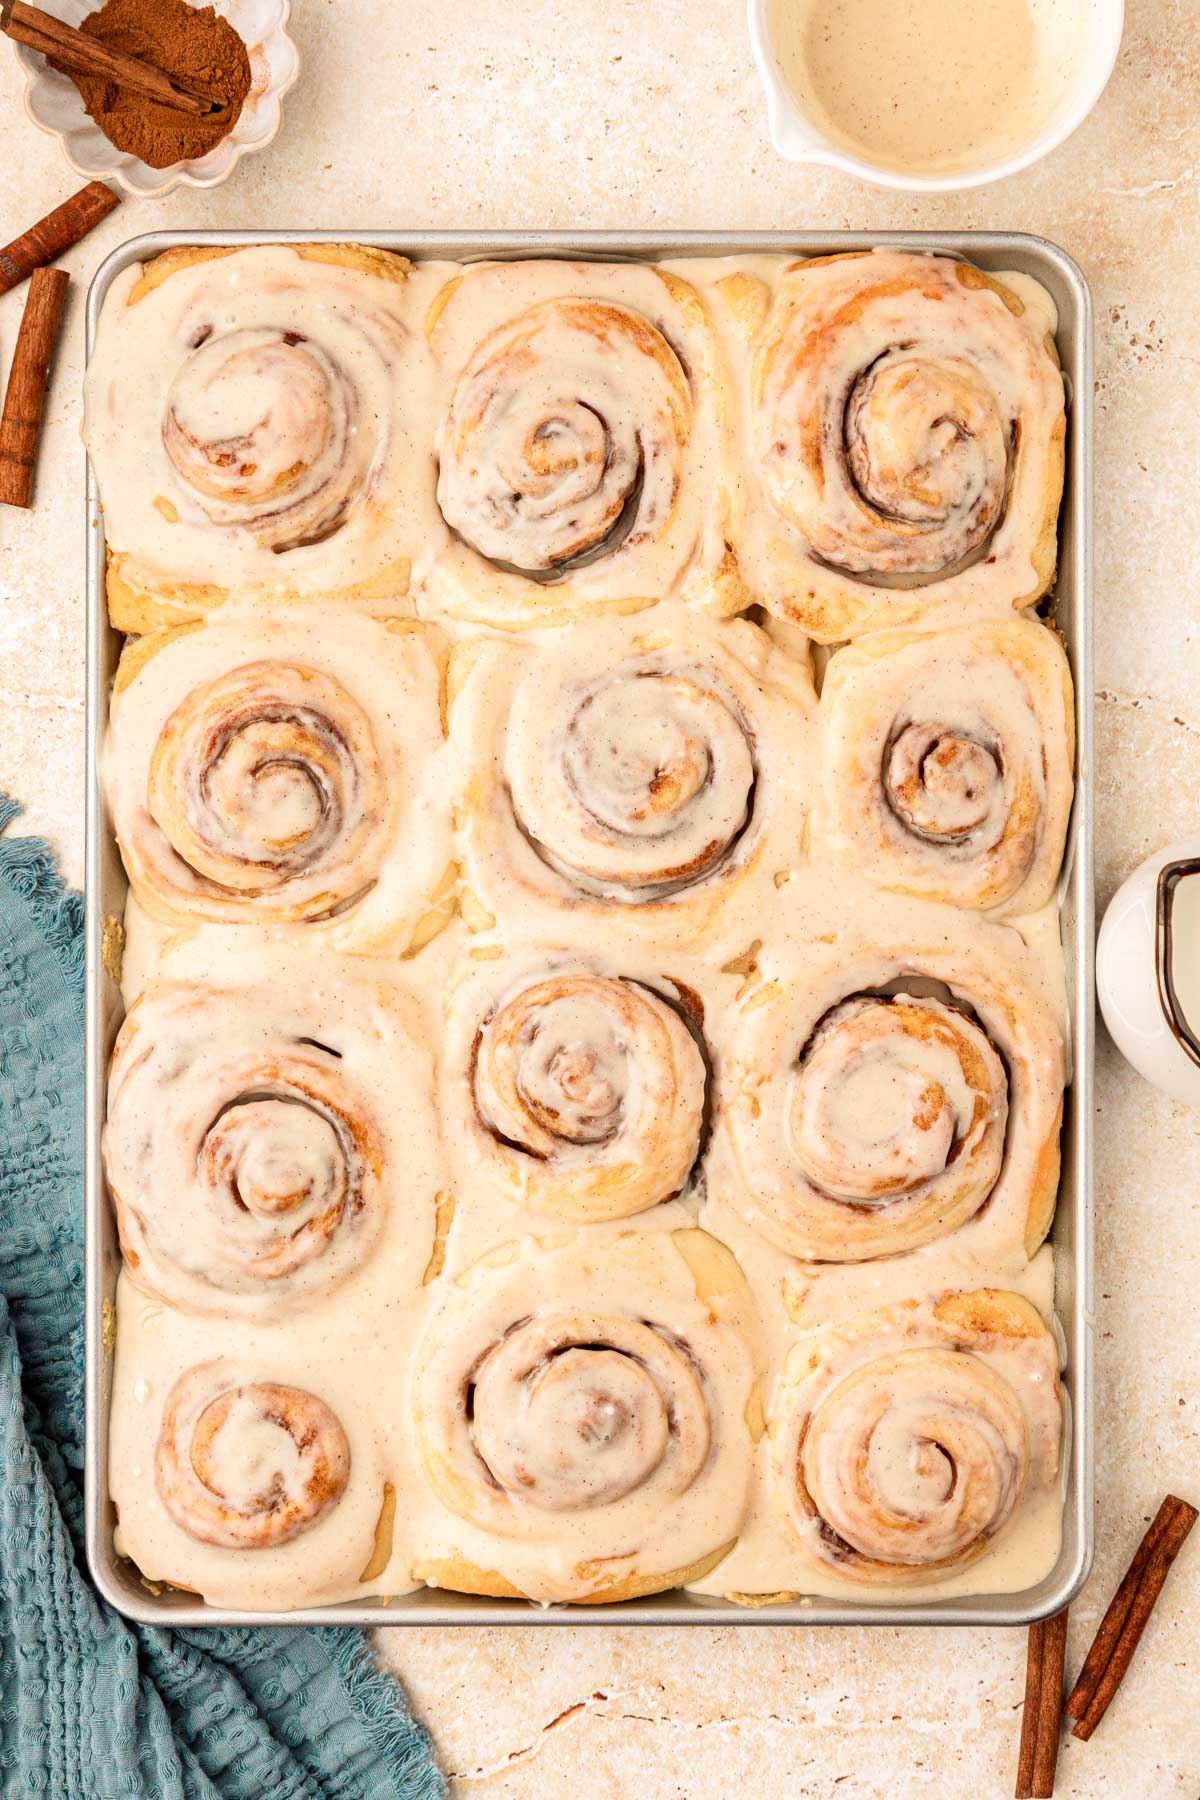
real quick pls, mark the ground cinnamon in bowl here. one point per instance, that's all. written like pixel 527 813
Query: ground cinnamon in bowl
pixel 193 45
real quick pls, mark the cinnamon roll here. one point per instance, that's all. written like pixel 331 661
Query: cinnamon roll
pixel 582 445
pixel 879 1091
pixel 581 1412
pixel 254 1478
pixel 904 1442
pixel 258 1137
pixel 907 425
pixel 660 762
pixel 577 1092
pixel 276 768
pixel 948 762
pixel 248 1465
pixel 251 417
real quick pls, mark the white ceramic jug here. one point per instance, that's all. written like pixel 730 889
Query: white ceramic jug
pixel 1139 959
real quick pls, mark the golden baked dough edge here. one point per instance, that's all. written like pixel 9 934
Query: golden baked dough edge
pixel 459 1575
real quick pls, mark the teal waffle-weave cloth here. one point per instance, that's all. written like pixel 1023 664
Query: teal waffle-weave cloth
pixel 92 1707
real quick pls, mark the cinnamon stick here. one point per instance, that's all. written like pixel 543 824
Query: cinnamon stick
pixel 25 395
pixel 56 233
pixel 1034 1658
pixel 78 53
pixel 1127 1616
pixel 1037 1758
pixel 1112 1624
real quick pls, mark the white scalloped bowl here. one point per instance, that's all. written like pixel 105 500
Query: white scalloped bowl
pixel 53 102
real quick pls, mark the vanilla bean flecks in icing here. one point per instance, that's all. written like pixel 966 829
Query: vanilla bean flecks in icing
pixel 284 767
pixel 947 766
pixel 253 419
pixel 655 1196
pixel 256 1477
pixel 584 444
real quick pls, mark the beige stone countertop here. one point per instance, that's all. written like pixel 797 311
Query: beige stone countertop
pixel 627 113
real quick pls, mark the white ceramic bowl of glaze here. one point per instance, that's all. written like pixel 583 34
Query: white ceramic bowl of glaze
pixel 799 136
pixel 1134 956
pixel 53 103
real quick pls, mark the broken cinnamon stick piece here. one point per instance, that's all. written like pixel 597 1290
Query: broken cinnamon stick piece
pixel 25 395
pixel 56 233
pixel 1037 1758
pixel 1128 1614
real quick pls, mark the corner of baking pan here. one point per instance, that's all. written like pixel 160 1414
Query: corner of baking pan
pixel 134 249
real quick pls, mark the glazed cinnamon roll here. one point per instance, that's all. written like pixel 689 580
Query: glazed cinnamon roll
pixel 251 415
pixel 248 1465
pixel 581 1413
pixel 255 1478
pixel 258 1137
pixel 582 446
pixel 879 1091
pixel 907 420
pixel 273 768
pixel 583 1092
pixel 903 1442
pixel 660 762
pixel 948 762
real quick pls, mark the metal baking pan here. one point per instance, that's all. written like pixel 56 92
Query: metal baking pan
pixel 1072 1235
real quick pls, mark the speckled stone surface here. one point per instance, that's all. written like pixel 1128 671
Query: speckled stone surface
pixel 647 113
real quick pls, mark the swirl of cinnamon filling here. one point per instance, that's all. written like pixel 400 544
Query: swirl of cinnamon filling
pixel 259 1157
pixel 578 1410
pixel 248 1465
pixel 582 1401
pixel 907 424
pixel 564 437
pixel 573 1411
pixel 917 1458
pixel 590 1090
pixel 862 1115
pixel 661 763
pixel 943 785
pixel 283 766
pixel 267 784
pixel 904 1441
pixel 949 762
pixel 637 782
pixel 267 431
pixel 244 1162
pixel 926 446
pixel 895 1100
